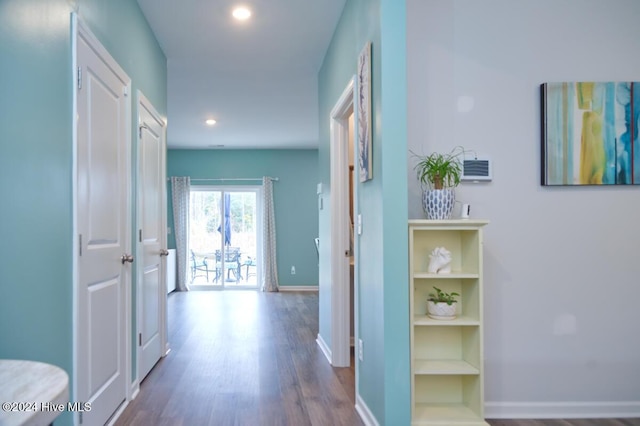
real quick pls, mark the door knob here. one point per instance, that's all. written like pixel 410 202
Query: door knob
pixel 126 258
pixel 164 252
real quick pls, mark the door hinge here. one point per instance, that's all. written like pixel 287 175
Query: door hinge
pixel 140 235
pixel 125 91
pixel 139 339
pixel 79 244
pixel 79 77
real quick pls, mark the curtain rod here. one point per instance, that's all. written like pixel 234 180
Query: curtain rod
pixel 229 179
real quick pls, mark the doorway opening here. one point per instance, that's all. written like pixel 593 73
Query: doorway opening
pixel 344 295
pixel 225 237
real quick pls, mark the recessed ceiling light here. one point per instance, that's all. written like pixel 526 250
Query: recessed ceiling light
pixel 241 13
pixel 210 122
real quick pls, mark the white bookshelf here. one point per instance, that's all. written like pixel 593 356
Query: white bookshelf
pixel 447 386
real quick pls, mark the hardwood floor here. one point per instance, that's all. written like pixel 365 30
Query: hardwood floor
pixel 244 358
pixel 250 358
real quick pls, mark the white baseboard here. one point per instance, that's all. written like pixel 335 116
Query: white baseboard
pixel 324 347
pixel 298 288
pixel 114 418
pixel 365 414
pixel 135 389
pixel 561 410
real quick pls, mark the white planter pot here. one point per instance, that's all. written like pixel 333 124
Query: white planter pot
pixel 441 311
pixel 438 203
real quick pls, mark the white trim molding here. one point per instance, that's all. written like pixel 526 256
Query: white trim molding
pixel 565 410
pixel 365 414
pixel 340 293
pixel 135 389
pixel 298 288
pixel 114 418
pixel 324 347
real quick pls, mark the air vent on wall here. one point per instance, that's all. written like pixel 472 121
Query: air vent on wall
pixel 476 169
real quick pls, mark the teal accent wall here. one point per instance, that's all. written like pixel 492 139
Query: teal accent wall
pixel 381 251
pixel 294 196
pixel 36 274
pixel 35 183
pixel 393 151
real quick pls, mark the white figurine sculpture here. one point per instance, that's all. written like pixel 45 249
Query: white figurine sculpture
pixel 440 261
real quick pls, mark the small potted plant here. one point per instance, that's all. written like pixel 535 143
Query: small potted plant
pixel 442 305
pixel 439 174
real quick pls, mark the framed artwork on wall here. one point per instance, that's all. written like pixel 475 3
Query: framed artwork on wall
pixel 364 115
pixel 590 133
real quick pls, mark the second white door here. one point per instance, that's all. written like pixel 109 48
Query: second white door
pixel 151 236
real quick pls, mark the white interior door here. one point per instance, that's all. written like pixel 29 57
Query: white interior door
pixel 151 236
pixel 103 222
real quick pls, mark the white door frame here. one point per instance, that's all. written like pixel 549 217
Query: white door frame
pixel 143 102
pixel 340 229
pixel 79 29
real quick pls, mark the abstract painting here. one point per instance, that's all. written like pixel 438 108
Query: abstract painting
pixel 590 133
pixel 364 114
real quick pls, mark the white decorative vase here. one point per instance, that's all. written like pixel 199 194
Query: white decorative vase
pixel 438 203
pixel 441 310
pixel 439 261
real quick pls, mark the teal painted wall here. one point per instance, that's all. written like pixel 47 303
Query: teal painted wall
pixel 36 309
pixel 294 198
pixel 35 188
pixel 381 250
pixel 393 151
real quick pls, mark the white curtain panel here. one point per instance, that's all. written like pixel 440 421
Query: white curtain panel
pixel 180 187
pixel 269 264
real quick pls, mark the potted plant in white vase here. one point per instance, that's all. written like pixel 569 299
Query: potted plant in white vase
pixel 442 305
pixel 439 175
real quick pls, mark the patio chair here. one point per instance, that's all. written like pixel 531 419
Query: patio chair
pixel 231 264
pixel 249 262
pixel 199 264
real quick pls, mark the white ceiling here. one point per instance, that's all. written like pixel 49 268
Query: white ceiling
pixel 257 78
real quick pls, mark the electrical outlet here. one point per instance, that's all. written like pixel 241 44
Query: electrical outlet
pixel 360 350
pixel 293 270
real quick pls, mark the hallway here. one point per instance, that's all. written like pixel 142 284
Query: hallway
pixel 244 358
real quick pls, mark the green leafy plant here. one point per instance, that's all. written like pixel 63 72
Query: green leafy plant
pixel 443 297
pixel 440 171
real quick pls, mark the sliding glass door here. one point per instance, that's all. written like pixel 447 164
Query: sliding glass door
pixel 225 237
